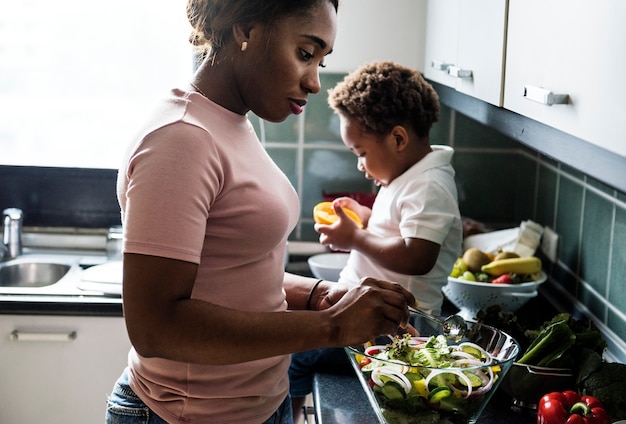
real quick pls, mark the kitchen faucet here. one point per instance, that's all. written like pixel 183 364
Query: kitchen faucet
pixel 11 233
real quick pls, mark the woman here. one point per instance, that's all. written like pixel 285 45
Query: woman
pixel 210 312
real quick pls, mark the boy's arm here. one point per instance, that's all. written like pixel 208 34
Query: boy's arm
pixel 411 256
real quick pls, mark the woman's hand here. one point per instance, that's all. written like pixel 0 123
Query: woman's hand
pixel 373 308
pixel 328 294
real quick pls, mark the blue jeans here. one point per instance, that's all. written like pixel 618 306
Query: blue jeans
pixel 125 407
pixel 305 364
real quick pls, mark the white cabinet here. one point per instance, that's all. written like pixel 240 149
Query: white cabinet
pixel 59 369
pixel 465 42
pixel 574 48
pixel 370 30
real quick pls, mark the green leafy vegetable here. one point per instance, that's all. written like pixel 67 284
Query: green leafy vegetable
pixel 605 381
pixel 559 342
pixel 549 346
pixel 430 355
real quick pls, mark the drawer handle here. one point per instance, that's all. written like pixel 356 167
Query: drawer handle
pixel 458 72
pixel 438 65
pixel 26 336
pixel 544 96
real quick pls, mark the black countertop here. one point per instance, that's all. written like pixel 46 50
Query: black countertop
pixel 61 305
pixel 340 399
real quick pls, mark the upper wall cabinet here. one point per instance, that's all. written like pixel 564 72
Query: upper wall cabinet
pixel 465 42
pixel 564 65
pixel 371 30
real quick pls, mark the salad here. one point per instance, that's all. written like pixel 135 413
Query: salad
pixel 422 379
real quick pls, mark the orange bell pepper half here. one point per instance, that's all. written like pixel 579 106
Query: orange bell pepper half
pixel 323 213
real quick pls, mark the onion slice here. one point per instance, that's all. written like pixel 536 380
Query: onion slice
pixel 458 373
pixel 393 374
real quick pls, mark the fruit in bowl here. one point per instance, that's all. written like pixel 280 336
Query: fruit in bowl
pixel 503 268
pixel 427 378
pixel 508 281
pixel 472 296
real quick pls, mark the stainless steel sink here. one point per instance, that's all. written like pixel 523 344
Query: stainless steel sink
pixel 31 274
pixel 46 273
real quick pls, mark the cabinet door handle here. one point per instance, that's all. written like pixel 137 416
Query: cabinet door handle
pixel 30 336
pixel 439 65
pixel 458 72
pixel 544 96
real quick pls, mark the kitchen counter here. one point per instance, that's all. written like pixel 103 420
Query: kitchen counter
pixel 61 305
pixel 100 304
pixel 66 295
pixel 340 399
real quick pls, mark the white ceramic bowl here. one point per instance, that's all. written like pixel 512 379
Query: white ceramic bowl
pixel 328 265
pixel 471 296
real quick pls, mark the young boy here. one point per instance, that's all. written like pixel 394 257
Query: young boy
pixel 413 233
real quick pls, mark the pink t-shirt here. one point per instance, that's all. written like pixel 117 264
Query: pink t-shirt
pixel 198 186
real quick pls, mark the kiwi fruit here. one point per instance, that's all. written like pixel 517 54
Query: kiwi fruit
pixel 475 258
pixel 506 255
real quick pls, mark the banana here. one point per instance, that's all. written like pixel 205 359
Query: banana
pixel 513 265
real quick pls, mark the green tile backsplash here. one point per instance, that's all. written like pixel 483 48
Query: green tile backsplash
pixel 568 220
pixel 595 241
pixel 545 201
pixel 501 182
pixel 321 124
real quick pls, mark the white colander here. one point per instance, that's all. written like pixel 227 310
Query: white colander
pixel 471 296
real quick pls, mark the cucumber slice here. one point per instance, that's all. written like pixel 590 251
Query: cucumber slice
pixel 441 380
pixel 475 352
pixel 386 379
pixel 439 393
pixel 393 391
pixel 475 380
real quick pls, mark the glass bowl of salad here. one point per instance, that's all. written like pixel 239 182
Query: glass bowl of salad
pixel 428 378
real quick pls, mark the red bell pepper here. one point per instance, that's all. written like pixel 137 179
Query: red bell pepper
pixel 569 408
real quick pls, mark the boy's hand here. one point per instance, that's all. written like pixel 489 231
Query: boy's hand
pixel 363 212
pixel 340 235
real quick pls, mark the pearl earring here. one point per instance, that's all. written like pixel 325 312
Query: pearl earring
pixel 244 46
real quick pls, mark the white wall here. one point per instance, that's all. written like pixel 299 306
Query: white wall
pixel 379 30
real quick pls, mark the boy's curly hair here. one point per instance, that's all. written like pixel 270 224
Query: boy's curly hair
pixel 381 95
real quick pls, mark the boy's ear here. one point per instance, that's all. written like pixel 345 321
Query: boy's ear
pixel 400 136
